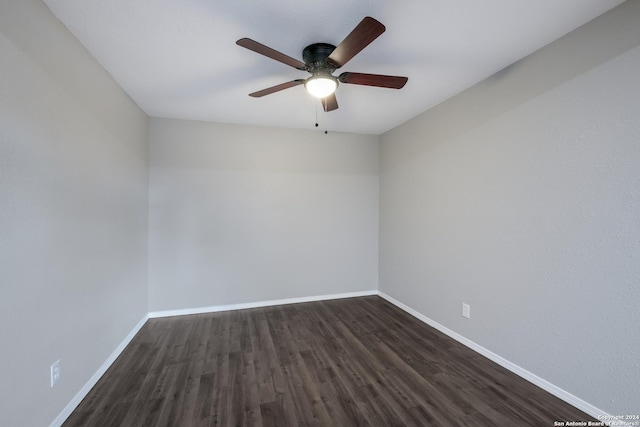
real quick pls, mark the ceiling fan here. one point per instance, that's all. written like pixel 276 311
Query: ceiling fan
pixel 322 59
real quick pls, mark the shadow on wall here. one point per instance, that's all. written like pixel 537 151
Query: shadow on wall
pixel 68 69
pixel 585 48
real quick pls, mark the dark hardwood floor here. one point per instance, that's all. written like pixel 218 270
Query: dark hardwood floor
pixel 349 362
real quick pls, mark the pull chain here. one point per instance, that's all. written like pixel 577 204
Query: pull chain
pixel 316 113
pixel 325 123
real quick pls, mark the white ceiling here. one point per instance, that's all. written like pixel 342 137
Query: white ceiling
pixel 178 58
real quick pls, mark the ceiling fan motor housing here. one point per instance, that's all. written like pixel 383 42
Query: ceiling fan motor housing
pixel 315 58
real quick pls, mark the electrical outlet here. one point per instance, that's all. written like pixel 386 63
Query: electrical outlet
pixel 55 372
pixel 466 311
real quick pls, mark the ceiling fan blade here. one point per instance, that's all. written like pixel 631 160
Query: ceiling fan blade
pixel 364 33
pixel 276 88
pixel 329 103
pixel 379 80
pixel 271 53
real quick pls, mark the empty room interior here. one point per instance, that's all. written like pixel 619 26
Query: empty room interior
pixel 452 237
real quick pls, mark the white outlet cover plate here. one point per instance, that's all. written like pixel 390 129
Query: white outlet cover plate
pixel 55 372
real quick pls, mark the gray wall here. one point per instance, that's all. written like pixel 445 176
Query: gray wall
pixel 240 214
pixel 521 197
pixel 73 214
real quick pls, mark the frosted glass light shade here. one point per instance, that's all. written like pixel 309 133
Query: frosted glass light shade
pixel 321 87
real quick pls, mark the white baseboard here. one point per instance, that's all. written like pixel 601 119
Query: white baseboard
pixel 242 306
pixel 94 379
pixel 531 377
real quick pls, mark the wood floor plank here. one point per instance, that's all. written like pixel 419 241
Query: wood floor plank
pixel 350 362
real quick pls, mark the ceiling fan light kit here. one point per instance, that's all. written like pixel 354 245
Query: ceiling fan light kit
pixel 322 59
pixel 321 85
